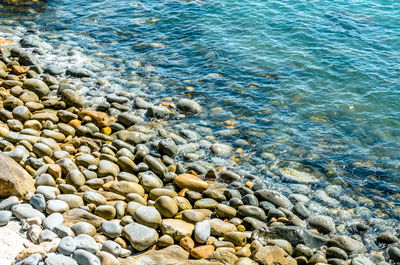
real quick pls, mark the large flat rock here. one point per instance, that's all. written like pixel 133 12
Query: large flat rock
pixel 14 180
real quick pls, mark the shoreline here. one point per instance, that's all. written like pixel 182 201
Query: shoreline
pixel 90 160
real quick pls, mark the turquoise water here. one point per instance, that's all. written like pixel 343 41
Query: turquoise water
pixel 313 85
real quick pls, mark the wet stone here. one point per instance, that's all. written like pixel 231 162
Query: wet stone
pixel 323 224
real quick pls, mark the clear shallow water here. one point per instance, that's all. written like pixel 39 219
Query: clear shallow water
pixel 312 85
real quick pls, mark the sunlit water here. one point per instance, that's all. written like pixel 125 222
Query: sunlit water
pixel 313 85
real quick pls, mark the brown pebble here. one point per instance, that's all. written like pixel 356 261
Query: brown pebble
pixel 187 243
pixel 121 242
pixel 202 251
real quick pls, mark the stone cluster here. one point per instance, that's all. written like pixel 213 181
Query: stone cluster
pixel 91 188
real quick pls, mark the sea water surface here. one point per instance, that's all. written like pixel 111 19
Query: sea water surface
pixel 310 84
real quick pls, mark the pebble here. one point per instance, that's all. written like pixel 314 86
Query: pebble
pixel 47 236
pixel 176 228
pixel 83 228
pixel 53 220
pixel 148 216
pixel 219 227
pixel 107 212
pixel 67 246
pixel 202 231
pixel 58 259
pixel 9 202
pixel 141 237
pixel 166 206
pixel 111 229
pixel 111 247
pixel 33 259
pixel 252 211
pixel 86 242
pixel 322 223
pixel 22 212
pixel 5 217
pixel 193 216
pixel 63 231
pixel 85 258
pixel 56 206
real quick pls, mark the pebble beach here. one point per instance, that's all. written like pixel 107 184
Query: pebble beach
pixel 97 176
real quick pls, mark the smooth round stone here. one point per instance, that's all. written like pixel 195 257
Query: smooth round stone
pixel 75 178
pixel 394 253
pixel 58 259
pixel 134 197
pixel 73 201
pixel 38 202
pixel 252 211
pixel 8 203
pixel 336 253
pixel 42 150
pixel 63 231
pixel 56 206
pixel 105 211
pixel 85 258
pixel 22 211
pixel 86 160
pixel 148 216
pixel 166 206
pixel 165 241
pixel 66 129
pixel 111 229
pixel 111 247
pixel 141 237
pixel 47 236
pixel 182 203
pixel 250 199
pixel 193 216
pixel 87 243
pixel 322 223
pixel 150 181
pixel 237 238
pixel 157 192
pixel 167 147
pixel 5 217
pixel 225 211
pixel 83 228
pixel 67 246
pixel 94 197
pixel 214 194
pixel 45 180
pixel 235 203
pixel 132 207
pixel 202 231
pixel 206 203
pixel 302 250
pixel 219 227
pixel 33 259
pixel 53 220
pixel 221 149
pixel 128 177
pixel 107 168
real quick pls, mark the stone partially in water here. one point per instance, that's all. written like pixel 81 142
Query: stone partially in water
pixel 295 235
pixel 295 175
